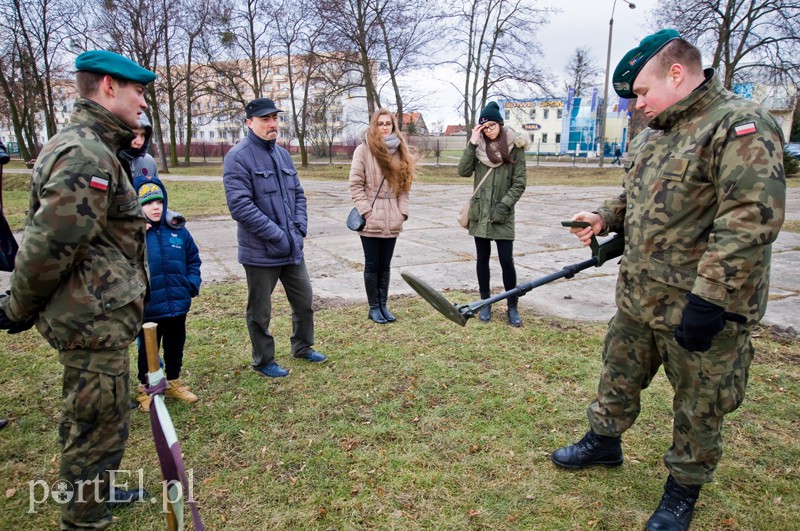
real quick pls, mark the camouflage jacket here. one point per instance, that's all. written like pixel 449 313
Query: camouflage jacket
pixel 704 198
pixel 81 265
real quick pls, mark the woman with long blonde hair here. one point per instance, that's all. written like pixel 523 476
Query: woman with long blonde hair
pixel 380 179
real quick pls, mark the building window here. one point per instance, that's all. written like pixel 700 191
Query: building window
pixel 546 114
pixel 544 137
pixel 533 114
pixel 211 134
pixel 558 137
pixel 559 113
pixel 508 115
pixel 533 138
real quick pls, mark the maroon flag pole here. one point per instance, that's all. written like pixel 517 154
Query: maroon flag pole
pixel 166 440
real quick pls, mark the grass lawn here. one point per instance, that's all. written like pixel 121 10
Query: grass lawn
pixel 416 425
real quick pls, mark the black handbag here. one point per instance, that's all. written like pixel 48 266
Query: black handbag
pixel 8 245
pixel 355 221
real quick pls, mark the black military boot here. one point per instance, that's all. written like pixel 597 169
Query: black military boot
pixel 676 509
pixel 121 497
pixel 513 312
pixel 383 296
pixel 485 314
pixel 593 449
pixel 371 285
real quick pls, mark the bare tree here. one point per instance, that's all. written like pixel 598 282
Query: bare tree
pixel 582 71
pixel 409 36
pixel 299 32
pixel 241 55
pixel 40 30
pixel 20 98
pixel 350 28
pixel 195 22
pixel 496 39
pixel 740 35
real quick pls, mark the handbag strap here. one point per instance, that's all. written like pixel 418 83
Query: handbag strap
pixel 482 181
pixel 378 192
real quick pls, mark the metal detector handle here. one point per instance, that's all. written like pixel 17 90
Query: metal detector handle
pixel 608 250
pixel 582 225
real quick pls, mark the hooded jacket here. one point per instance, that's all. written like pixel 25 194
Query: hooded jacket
pixel 174 267
pixel 143 165
pixel 267 202
pixel 505 185
pixel 143 169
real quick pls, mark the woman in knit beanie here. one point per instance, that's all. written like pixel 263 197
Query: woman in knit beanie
pixel 493 147
pixel 380 179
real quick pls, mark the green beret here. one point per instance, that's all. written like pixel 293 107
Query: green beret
pixel 114 65
pixel 633 61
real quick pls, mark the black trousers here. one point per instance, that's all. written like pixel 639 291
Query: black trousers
pixel 505 252
pixel 172 330
pixel 378 254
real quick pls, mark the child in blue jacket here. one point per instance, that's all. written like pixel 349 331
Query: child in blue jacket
pixel 174 279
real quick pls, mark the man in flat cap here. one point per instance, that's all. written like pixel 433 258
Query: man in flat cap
pixel 703 199
pixel 268 203
pixel 81 277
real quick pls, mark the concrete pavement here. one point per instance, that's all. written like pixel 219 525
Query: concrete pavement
pixel 435 248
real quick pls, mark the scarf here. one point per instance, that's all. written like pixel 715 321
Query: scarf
pixel 392 143
pixel 483 156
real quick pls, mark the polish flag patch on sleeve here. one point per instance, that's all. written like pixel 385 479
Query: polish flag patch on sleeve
pixel 98 183
pixel 745 129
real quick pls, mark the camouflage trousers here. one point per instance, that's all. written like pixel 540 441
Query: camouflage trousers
pixel 93 431
pixel 706 385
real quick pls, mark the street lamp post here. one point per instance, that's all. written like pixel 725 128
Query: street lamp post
pixel 603 111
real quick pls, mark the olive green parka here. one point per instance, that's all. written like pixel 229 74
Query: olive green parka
pixel 505 185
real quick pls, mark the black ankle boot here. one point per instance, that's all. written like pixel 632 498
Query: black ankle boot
pixel 676 509
pixel 371 286
pixel 513 312
pixel 485 314
pixel 593 449
pixel 383 296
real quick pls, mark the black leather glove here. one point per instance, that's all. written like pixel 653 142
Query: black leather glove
pixel 14 327
pixel 700 322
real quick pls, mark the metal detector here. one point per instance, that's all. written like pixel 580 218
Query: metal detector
pixel 459 314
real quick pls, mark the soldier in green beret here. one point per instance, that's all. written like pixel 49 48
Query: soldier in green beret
pixel 703 200
pixel 81 277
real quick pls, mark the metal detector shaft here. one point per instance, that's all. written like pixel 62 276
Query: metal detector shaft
pixel 568 272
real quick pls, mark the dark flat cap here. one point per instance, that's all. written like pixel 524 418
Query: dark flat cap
pixel 114 65
pixel 260 107
pixel 633 61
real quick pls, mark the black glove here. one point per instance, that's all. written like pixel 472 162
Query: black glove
pixel 14 327
pixel 700 322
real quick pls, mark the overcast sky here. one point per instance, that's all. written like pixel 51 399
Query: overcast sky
pixel 580 23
